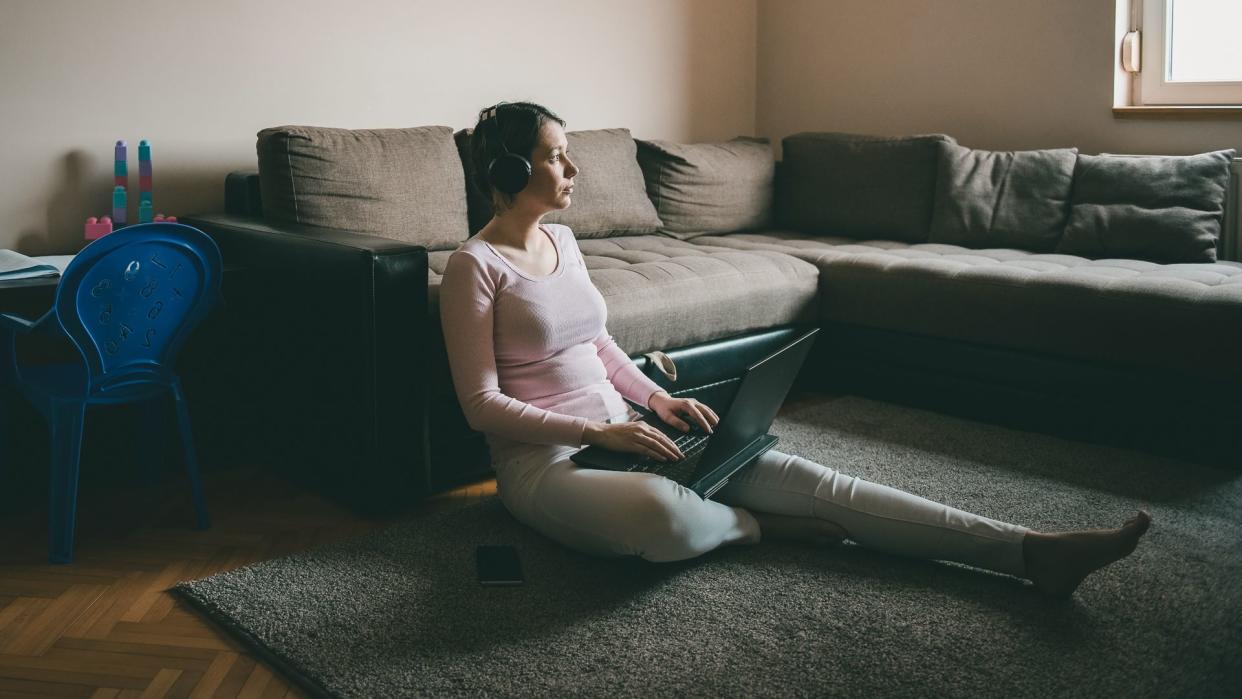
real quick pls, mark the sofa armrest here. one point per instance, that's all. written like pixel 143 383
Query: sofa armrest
pixel 242 194
pixel 328 341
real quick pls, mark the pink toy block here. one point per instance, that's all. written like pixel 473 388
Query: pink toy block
pixel 97 228
pixel 161 218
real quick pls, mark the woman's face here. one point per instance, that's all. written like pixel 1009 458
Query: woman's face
pixel 551 173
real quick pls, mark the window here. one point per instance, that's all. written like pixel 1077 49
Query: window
pixel 1191 52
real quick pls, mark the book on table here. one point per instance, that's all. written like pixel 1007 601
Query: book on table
pixel 14 265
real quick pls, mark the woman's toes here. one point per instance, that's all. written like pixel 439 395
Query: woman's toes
pixel 1059 562
pixel 1133 529
pixel 1140 521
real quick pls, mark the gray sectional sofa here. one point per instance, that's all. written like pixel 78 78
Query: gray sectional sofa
pixel 1045 289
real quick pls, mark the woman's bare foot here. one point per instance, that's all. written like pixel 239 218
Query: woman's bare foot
pixel 1058 562
pixel 807 530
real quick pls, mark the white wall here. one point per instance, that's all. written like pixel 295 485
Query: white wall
pixel 994 74
pixel 74 77
pixel 200 79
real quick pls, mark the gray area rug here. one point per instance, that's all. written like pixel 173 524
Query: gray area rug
pixel 398 612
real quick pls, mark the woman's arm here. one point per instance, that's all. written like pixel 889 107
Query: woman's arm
pixel 629 381
pixel 627 378
pixel 467 294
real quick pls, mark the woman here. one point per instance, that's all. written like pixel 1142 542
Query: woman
pixel 535 369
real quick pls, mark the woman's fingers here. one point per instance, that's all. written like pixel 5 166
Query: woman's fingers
pixel 702 415
pixel 698 411
pixel 708 414
pixel 652 447
pixel 662 442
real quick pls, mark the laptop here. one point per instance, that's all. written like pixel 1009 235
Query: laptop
pixel 739 438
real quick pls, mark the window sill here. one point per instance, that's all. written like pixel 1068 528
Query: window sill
pixel 1179 111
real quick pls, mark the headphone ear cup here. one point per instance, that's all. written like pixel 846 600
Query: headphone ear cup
pixel 509 173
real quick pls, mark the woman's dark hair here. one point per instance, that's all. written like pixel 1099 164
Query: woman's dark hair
pixel 520 123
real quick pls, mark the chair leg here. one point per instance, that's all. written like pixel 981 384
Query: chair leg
pixel 152 428
pixel 66 431
pixel 8 383
pixel 191 460
pixel 4 426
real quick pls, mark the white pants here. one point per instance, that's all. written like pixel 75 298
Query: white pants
pixel 612 513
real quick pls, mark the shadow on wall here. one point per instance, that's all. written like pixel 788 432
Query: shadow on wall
pixel 84 188
pixel 73 181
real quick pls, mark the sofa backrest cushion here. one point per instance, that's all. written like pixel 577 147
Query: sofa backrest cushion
pixel 1002 199
pixel 609 199
pixel 701 188
pixel 1156 208
pixel 859 186
pixel 404 184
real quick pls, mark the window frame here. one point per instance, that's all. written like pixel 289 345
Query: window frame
pixel 1151 87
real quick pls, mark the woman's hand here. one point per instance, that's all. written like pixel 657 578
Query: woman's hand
pixel 671 410
pixel 634 437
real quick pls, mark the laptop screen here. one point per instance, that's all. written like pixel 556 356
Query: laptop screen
pixel 758 399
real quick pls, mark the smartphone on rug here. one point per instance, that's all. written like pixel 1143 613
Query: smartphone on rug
pixel 498 565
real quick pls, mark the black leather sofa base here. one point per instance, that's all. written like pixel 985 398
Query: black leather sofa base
pixel 325 358
pixel 1192 418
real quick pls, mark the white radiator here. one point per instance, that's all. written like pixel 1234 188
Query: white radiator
pixel 1231 234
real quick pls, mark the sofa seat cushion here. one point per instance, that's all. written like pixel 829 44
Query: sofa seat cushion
pixel 1180 317
pixel 664 293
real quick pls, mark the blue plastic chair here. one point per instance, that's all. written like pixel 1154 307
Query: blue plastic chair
pixel 127 302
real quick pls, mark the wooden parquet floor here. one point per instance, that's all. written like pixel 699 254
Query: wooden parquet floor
pixel 105 626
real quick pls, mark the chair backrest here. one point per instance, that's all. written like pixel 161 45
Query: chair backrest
pixel 129 300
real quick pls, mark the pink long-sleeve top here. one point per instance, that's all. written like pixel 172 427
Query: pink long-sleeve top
pixel 530 357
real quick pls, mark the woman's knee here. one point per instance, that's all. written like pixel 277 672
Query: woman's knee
pixel 668 524
pixel 621 514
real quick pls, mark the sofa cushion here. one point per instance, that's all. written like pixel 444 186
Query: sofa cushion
pixel 1179 317
pixel 858 186
pixel 610 197
pixel 1157 208
pixel 700 188
pixel 1011 199
pixel 663 293
pixel 404 184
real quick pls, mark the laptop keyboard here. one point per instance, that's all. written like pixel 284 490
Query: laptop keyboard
pixel 691 446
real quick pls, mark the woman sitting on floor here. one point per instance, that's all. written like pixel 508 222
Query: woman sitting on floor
pixel 535 369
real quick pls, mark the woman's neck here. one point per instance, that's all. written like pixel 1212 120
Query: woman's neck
pixel 515 230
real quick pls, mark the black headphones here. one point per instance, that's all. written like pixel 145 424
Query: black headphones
pixel 509 173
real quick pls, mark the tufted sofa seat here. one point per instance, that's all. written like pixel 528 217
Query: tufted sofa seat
pixel 1171 316
pixel 662 292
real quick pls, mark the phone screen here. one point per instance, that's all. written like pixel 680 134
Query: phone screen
pixel 499 565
